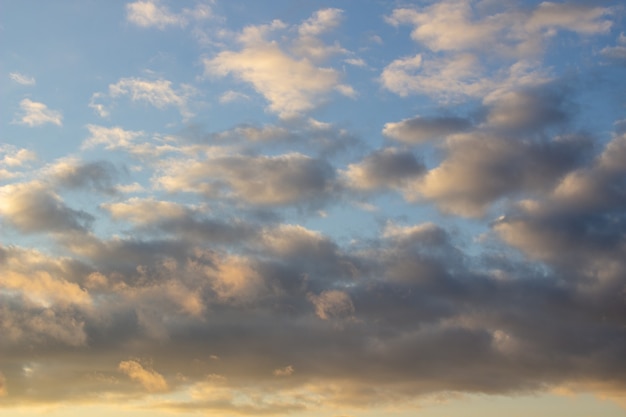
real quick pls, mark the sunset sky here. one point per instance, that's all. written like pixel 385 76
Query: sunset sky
pixel 348 208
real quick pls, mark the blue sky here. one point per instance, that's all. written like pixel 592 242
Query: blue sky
pixel 321 208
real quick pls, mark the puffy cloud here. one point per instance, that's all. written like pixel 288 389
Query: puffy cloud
pixel 36 114
pixel 423 129
pixel 321 21
pixel 261 180
pixel 291 84
pixel 16 157
pixel 481 168
pixel 447 25
pixel 22 79
pixel 448 78
pixel 455 25
pixel 151 380
pixel 386 168
pixel 33 207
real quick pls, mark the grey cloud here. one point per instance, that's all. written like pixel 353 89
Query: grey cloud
pixel 288 179
pixel 32 207
pixel 423 129
pixel 409 313
pixel 385 168
pixel 530 110
pixel 97 175
pixel 481 168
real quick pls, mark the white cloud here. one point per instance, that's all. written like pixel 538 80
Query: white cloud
pixel 321 21
pixel 291 86
pixel 110 137
pixel 577 18
pixel 230 96
pixel 158 93
pixel 14 157
pixel 99 108
pixel 152 13
pixel 22 78
pixel 36 114
pixel 292 83
pixel 447 26
pixel 455 25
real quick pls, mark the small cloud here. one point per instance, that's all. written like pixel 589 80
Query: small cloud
pixel 151 14
pixel 286 371
pixel 150 379
pixel 158 93
pixel 357 62
pixel 22 78
pixel 230 96
pixel 332 304
pixel 36 114
pixel 98 107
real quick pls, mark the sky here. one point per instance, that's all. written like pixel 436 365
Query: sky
pixel 313 208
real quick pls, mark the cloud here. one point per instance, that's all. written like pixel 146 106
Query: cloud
pixel 32 207
pixel 151 380
pixel 321 21
pixel 41 280
pixel 424 129
pixel 22 79
pixel 481 168
pixel 3 385
pixel 286 371
pixel 72 173
pixel 332 304
pixel 456 25
pixel 259 180
pixel 386 168
pixel 233 96
pixel 110 137
pixel 158 93
pixel 291 84
pixel 617 52
pixel 36 114
pixel 13 157
pixel 152 13
pixel 144 211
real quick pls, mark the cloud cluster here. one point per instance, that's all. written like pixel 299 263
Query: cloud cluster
pixel 193 268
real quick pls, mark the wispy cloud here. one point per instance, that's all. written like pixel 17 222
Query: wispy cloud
pixel 36 114
pixel 22 79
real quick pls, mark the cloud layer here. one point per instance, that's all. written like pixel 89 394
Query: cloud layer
pixel 330 218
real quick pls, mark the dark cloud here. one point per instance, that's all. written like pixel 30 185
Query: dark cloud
pixel 32 207
pixel 423 129
pixel 385 168
pixel 98 175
